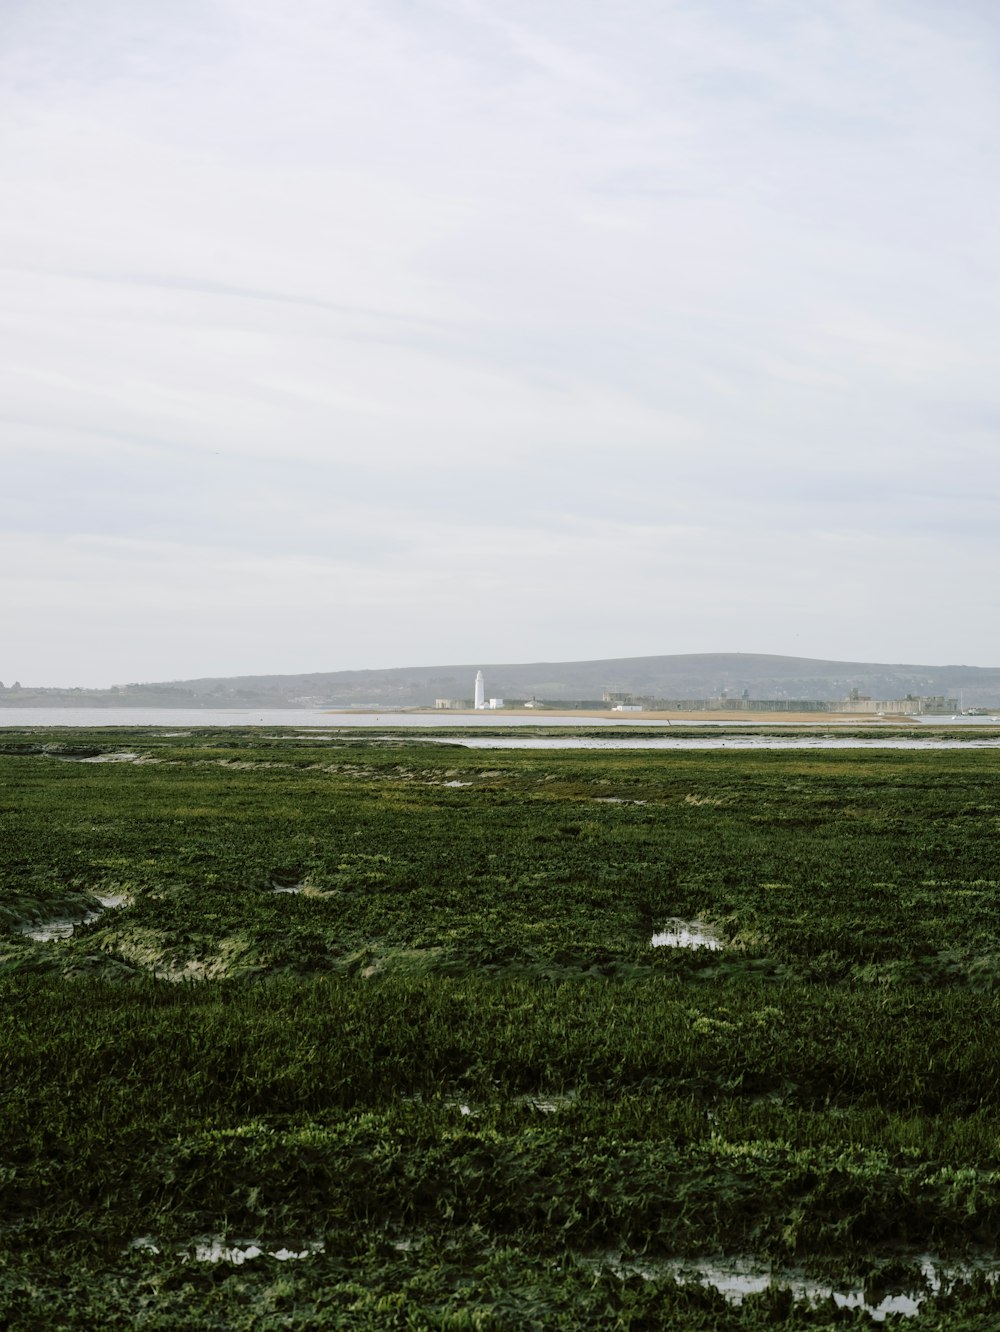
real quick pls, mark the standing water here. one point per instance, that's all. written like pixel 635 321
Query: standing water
pixel 686 934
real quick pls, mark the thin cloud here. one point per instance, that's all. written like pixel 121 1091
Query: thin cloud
pixel 557 313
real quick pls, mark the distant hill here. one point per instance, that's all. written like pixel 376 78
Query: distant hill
pixel 684 676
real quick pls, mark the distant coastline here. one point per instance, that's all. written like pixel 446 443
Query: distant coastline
pixel 669 715
pixel 669 683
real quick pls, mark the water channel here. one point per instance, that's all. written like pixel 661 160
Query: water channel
pixel 734 1278
pixel 323 725
pixel 63 927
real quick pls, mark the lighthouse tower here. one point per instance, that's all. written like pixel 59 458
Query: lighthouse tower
pixel 480 691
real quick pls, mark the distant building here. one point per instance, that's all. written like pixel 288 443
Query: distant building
pixel 935 705
pixel 449 703
pixel 496 703
pixel 480 694
pixel 623 701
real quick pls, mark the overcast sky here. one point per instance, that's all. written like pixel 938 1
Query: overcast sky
pixel 359 333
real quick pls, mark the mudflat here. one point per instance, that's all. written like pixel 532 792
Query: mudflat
pixel 375 1031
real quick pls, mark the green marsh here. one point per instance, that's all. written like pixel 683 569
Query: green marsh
pixel 393 1002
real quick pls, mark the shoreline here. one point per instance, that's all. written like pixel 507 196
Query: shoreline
pixel 741 716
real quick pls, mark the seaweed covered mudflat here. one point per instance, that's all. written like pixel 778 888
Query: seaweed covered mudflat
pixel 340 1031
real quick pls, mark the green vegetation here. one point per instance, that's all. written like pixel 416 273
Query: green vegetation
pixel 445 1062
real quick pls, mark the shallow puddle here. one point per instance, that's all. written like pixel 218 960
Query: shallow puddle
pixel 50 931
pixel 218 1249
pixel 53 929
pixel 547 1103
pixel 736 1278
pixel 900 1287
pixel 686 934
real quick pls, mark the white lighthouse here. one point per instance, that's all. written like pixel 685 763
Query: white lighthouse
pixel 480 691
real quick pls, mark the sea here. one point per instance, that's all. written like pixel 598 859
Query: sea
pixel 176 720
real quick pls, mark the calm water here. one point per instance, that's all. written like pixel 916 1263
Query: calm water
pixel 734 1277
pixel 167 720
pixel 172 718
pixel 175 717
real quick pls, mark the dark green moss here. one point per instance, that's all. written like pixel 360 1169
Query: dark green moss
pixel 217 1057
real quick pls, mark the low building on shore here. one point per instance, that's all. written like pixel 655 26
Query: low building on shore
pixel 934 705
pixel 911 706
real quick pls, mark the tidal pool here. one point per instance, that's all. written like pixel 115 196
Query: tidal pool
pixel 899 1286
pixel 62 927
pixel 54 929
pixel 686 934
pixel 547 1103
pixel 880 1294
pixel 218 1249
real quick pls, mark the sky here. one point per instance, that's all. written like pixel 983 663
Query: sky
pixel 365 333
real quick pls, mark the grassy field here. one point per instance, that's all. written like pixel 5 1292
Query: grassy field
pixel 391 1005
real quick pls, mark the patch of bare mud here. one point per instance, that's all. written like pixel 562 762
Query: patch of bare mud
pixel 156 952
pixel 241 765
pixel 125 756
pixel 400 960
